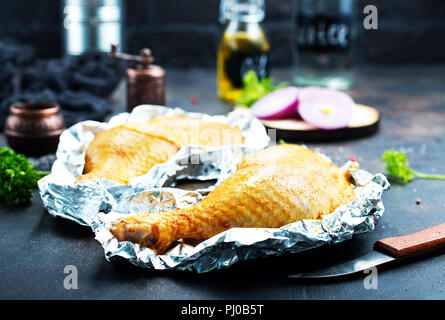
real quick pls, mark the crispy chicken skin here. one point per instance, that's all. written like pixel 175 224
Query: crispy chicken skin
pixel 130 150
pixel 271 188
pixel 184 131
pixel 119 154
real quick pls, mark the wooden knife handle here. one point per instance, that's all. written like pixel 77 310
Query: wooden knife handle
pixel 413 243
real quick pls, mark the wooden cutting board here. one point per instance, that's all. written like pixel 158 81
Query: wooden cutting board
pixel 365 121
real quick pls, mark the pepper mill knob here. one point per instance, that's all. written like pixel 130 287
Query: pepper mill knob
pixel 146 58
pixel 114 47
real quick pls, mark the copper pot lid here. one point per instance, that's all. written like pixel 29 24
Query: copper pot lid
pixel 34 109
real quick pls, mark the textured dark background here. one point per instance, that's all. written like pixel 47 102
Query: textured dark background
pixel 186 32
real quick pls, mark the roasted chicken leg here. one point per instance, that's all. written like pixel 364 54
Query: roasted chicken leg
pixel 130 150
pixel 120 154
pixel 270 189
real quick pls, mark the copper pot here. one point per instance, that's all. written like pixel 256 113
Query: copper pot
pixel 34 128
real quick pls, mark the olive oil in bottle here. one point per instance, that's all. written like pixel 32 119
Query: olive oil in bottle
pixel 243 46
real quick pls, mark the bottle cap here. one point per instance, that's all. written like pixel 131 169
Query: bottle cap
pixel 242 10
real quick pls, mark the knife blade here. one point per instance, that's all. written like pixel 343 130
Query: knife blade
pixel 385 251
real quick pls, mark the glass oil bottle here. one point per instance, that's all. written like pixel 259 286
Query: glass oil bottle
pixel 243 46
pixel 324 47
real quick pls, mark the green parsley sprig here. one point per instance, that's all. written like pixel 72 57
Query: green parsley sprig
pixel 254 88
pixel 397 167
pixel 18 179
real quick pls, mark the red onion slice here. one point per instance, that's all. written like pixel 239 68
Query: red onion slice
pixel 279 104
pixel 325 108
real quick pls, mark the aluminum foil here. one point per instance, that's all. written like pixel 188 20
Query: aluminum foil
pixel 81 202
pixel 99 204
pixel 236 244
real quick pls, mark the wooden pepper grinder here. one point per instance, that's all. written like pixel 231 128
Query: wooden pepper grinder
pixel 145 82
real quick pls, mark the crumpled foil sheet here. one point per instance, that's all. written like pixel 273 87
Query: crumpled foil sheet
pixel 99 204
pixel 81 202
pixel 237 244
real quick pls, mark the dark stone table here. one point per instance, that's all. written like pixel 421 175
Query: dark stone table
pixel 35 247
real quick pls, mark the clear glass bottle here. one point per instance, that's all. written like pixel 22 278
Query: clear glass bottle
pixel 243 46
pixel 324 48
